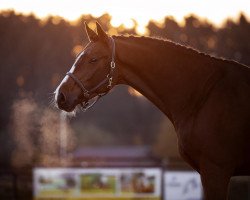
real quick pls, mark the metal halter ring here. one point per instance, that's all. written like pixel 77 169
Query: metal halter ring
pixel 112 64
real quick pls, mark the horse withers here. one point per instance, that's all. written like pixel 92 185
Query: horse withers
pixel 206 98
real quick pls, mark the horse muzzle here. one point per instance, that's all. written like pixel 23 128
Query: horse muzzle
pixel 66 101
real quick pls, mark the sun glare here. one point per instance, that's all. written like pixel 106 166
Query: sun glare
pixel 127 22
pixel 123 12
pixel 134 92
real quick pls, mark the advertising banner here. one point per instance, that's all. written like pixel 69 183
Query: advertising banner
pixel 98 183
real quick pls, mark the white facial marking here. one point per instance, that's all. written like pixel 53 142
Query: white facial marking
pixel 71 71
pixel 74 65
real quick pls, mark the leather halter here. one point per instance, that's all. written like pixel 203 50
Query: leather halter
pixel 108 80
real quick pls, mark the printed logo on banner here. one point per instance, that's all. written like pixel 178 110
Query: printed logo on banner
pixel 182 186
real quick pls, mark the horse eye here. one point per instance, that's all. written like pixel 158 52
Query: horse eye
pixel 93 60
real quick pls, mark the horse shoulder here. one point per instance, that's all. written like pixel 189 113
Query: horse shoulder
pixel 220 129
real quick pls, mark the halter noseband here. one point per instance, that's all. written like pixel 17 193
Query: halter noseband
pixel 109 79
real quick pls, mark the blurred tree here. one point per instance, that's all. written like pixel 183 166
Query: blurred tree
pixel 169 29
pixel 233 40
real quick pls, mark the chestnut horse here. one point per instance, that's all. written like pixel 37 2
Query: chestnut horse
pixel 206 98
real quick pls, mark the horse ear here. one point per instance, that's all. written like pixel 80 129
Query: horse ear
pixel 90 33
pixel 101 33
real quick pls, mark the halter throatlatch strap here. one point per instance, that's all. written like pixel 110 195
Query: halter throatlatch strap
pixel 108 80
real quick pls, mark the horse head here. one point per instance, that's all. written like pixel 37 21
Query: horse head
pixel 92 74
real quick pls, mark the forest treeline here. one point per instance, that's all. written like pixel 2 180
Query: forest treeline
pixel 35 54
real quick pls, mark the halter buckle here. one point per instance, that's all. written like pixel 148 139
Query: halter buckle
pixel 110 82
pixel 112 64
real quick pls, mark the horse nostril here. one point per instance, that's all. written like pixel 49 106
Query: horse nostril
pixel 61 98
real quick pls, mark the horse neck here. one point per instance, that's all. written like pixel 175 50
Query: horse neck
pixel 173 77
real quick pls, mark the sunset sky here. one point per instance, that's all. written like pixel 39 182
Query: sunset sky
pixel 122 11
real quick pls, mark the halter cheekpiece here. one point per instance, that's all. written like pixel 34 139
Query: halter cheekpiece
pixel 108 80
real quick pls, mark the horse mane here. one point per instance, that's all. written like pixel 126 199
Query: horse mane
pixel 179 47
